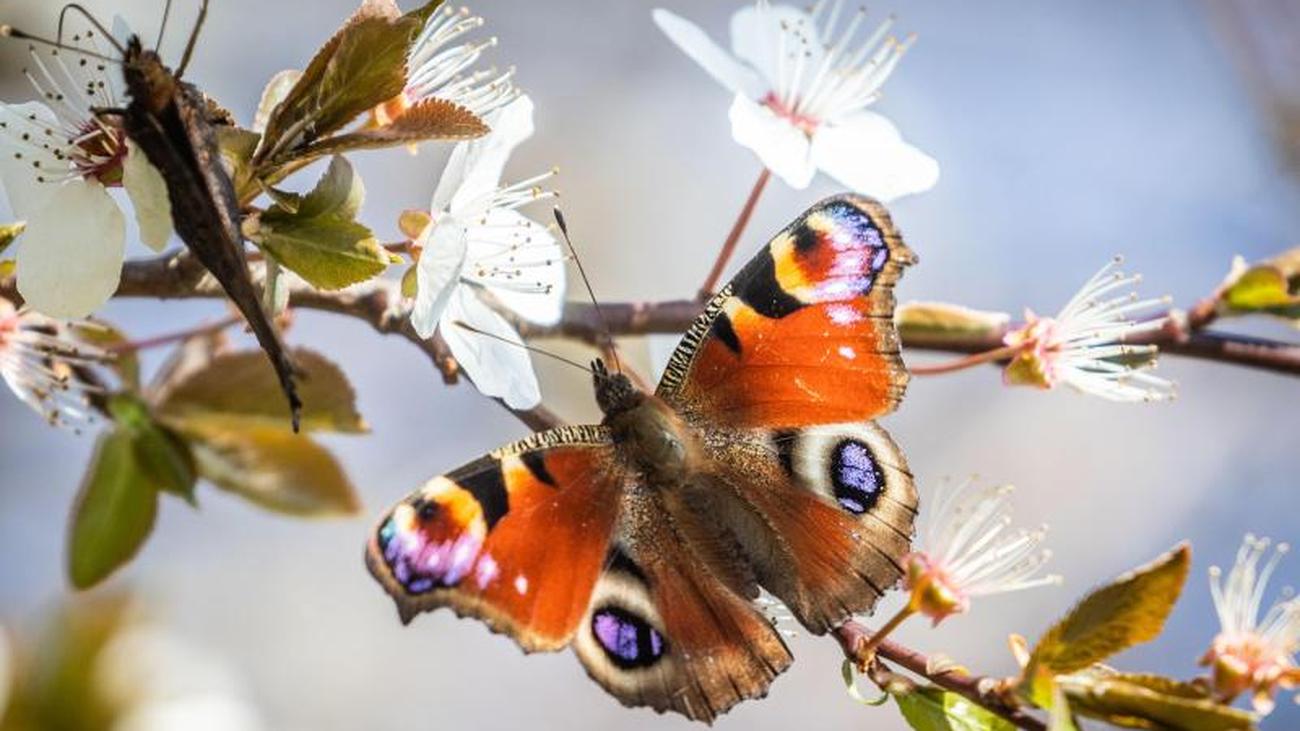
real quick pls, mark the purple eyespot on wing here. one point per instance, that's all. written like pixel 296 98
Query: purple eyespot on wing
pixel 628 640
pixel 855 476
pixel 421 562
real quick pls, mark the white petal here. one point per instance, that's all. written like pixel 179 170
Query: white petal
pixel 757 38
pixel 475 173
pixel 71 256
pixel 148 192
pixel 17 173
pixel 722 66
pixel 438 273
pixel 537 293
pixel 783 148
pixel 866 153
pixel 276 90
pixel 499 369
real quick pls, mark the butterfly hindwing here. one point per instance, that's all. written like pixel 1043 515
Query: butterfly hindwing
pixel 666 628
pixel 825 513
pixel 804 334
pixel 517 538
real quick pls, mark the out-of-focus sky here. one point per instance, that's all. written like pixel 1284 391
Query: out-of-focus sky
pixel 1067 132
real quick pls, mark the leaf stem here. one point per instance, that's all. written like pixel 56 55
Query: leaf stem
pixel 733 237
pixel 970 361
pixel 133 346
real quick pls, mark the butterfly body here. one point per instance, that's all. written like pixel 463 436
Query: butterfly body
pixel 168 119
pixel 643 542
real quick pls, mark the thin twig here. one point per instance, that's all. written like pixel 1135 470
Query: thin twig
pixel 979 689
pixel 733 237
pixel 134 346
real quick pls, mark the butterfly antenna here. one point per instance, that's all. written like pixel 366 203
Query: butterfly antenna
pixel 530 348
pixel 8 31
pixel 73 7
pixel 162 27
pixel 609 338
pixel 194 37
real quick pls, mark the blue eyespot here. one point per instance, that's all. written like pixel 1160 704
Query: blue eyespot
pixel 855 476
pixel 628 640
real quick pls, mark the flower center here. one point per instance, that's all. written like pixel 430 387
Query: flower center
pixel 806 124
pixel 99 151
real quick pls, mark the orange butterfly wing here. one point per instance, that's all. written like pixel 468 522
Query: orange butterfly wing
pixel 804 334
pixel 517 538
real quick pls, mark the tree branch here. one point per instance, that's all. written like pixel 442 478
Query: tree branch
pixel 979 689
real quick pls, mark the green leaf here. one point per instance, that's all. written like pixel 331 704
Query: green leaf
pixel 1271 287
pixel 275 92
pixel 163 458
pixel 329 252
pixel 339 192
pixel 927 708
pixel 9 232
pixel 237 146
pixel 244 384
pixel 114 512
pixel 411 282
pixel 431 119
pixel 361 66
pixel 268 465
pixel 1129 611
pixel 940 322
pixel 1149 702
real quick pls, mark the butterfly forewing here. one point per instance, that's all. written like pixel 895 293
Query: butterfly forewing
pixel 804 334
pixel 516 538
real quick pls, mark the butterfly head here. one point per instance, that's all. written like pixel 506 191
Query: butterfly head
pixel 148 80
pixel 615 392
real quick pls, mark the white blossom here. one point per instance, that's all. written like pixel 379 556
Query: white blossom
pixel 478 245
pixel 803 80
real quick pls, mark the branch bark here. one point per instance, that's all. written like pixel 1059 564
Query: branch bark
pixel 979 689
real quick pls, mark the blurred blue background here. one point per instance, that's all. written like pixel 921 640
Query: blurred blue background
pixel 1066 132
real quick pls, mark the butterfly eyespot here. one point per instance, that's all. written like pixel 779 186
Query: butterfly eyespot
pixel 855 476
pixel 425 510
pixel 627 639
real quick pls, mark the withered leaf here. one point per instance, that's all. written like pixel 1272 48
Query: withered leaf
pixel 430 119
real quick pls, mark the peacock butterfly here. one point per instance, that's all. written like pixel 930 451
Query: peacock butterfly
pixel 643 541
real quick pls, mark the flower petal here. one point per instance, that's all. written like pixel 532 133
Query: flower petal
pixel 866 153
pixel 722 66
pixel 71 256
pixel 474 170
pixel 782 147
pixel 521 263
pixel 17 170
pixel 762 33
pixel 148 193
pixel 437 274
pixel 499 369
